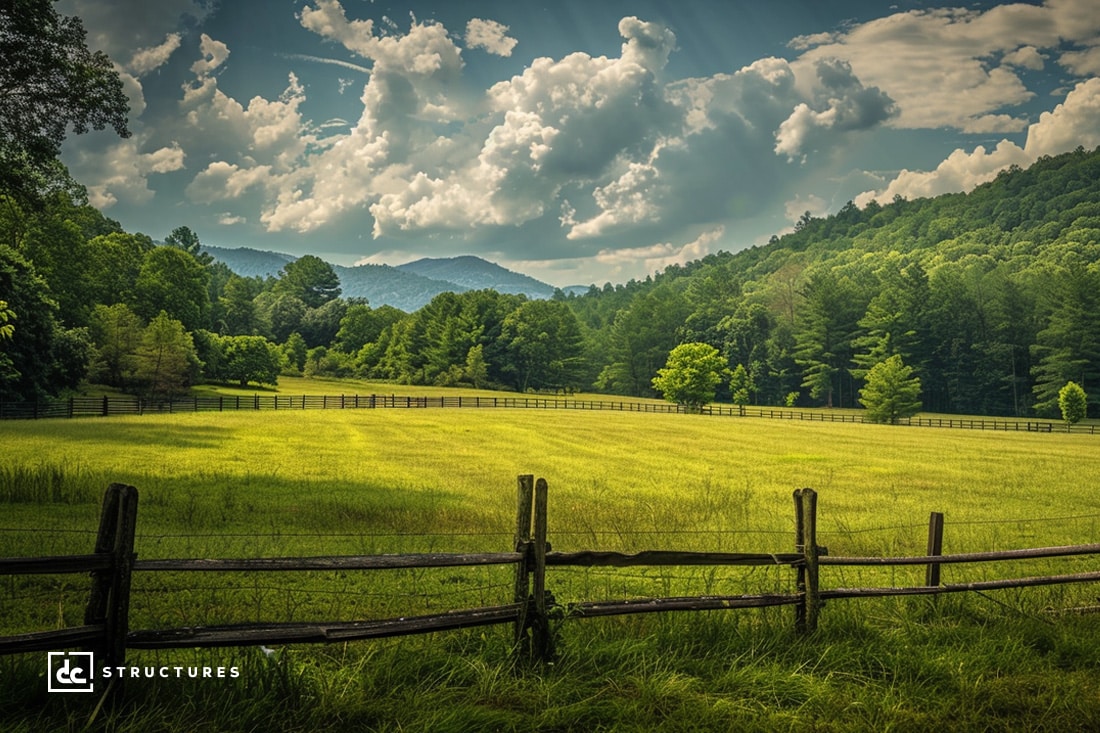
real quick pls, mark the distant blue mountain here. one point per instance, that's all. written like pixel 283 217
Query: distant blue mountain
pixel 408 287
pixel 474 273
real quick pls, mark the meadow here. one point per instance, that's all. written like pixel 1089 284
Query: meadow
pixel 390 481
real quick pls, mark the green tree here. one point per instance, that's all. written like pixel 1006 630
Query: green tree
pixel 1073 403
pixel 7 328
pixel 28 371
pixel 173 281
pixel 249 359
pixel 50 83
pixel 544 346
pixel 691 375
pixel 6 316
pixel 640 339
pixel 891 392
pixel 116 334
pixel 295 352
pixel 184 238
pixel 827 324
pixel 166 360
pixel 238 307
pixel 279 314
pixel 476 371
pixel 310 279
pixel 742 386
pixel 114 263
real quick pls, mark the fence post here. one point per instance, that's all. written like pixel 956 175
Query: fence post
pixel 525 492
pixel 109 602
pixel 935 547
pixel 541 640
pixel 806 612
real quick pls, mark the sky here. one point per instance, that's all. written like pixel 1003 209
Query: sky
pixel 575 141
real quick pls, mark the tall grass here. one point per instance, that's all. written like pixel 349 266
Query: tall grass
pixel 315 483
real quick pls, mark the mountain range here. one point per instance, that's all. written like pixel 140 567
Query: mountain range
pixel 407 287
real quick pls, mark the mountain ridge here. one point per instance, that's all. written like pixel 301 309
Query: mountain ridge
pixel 409 286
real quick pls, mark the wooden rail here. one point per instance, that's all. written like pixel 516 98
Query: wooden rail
pixel 110 406
pixel 532 611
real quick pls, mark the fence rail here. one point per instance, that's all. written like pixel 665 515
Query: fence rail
pixel 106 624
pixel 110 406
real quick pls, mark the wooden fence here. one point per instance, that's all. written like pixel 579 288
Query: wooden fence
pixel 531 610
pixel 123 405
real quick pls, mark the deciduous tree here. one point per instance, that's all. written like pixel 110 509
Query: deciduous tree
pixel 1073 403
pixel 691 375
pixel 50 83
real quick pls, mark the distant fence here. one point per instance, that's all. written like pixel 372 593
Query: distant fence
pixel 124 405
pixel 531 608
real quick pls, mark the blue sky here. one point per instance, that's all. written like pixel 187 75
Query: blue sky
pixel 579 142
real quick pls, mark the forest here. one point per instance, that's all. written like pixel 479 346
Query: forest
pixel 989 298
pixel 992 298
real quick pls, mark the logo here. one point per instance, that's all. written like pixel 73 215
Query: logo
pixel 71 672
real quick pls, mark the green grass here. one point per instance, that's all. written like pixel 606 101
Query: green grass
pixel 337 482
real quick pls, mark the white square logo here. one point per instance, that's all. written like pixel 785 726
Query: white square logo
pixel 71 672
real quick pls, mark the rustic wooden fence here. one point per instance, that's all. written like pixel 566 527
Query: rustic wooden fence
pixel 109 406
pixel 531 610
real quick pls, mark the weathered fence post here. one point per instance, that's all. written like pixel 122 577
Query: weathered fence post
pixel 806 611
pixel 541 640
pixel 109 602
pixel 525 493
pixel 935 548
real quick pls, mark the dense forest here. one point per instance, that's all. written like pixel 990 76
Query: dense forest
pixel 992 297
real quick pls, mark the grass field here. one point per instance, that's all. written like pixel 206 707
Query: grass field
pixel 363 481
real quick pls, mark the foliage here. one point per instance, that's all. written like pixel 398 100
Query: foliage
pixel 246 359
pixel 691 375
pixel 166 360
pixel 1072 402
pixel 891 391
pixel 311 280
pixel 742 385
pixel 50 83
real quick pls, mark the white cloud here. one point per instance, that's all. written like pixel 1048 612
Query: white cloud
pixel 214 54
pixel 120 172
pixel 1068 125
pixel 489 35
pixel 1027 57
pixel 940 65
pixel 151 58
pixel 1085 62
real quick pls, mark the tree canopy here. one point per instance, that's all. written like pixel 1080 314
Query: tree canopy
pixel 49 83
pixel 891 391
pixel 691 375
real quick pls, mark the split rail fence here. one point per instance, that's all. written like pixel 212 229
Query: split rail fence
pixel 121 405
pixel 532 610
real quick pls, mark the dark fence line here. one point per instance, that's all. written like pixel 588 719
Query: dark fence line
pixel 532 608
pixel 122 405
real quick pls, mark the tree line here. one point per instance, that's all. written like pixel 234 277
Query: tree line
pixel 988 302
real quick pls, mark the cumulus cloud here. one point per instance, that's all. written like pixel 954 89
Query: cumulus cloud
pixel 146 60
pixel 489 35
pixel 214 54
pixel 120 171
pixel 1068 125
pixel 941 65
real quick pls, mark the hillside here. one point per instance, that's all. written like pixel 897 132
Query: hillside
pixel 993 296
pixel 474 273
pixel 385 285
pixel 407 287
